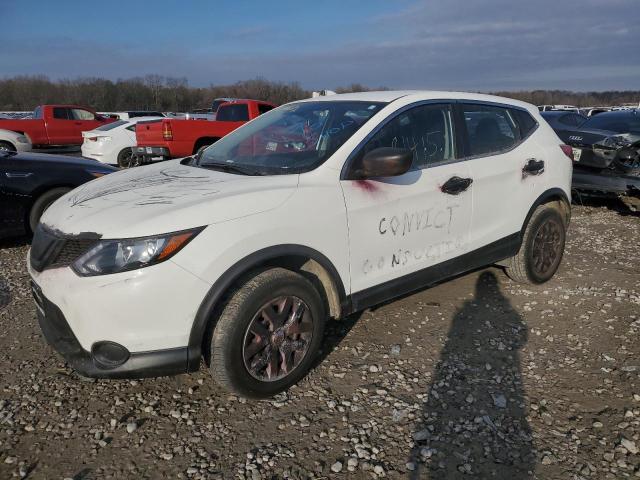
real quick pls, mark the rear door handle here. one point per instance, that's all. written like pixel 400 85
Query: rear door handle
pixel 456 185
pixel 533 167
pixel 18 175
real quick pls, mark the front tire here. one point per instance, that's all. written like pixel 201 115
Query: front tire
pixel 268 334
pixel 43 202
pixel 7 147
pixel 542 247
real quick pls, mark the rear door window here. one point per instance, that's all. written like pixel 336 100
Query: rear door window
pixel 80 114
pixel 233 113
pixel 62 113
pixel 490 129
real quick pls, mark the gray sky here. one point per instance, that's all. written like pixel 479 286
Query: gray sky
pixel 454 44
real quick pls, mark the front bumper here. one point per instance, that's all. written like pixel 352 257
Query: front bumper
pixel 146 314
pixel 59 335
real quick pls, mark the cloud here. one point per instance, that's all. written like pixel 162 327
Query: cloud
pixel 457 44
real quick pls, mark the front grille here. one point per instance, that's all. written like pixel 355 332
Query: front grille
pixel 71 250
pixel 51 250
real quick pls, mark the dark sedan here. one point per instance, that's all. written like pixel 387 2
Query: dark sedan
pixel 563 120
pixel 30 182
pixel 606 150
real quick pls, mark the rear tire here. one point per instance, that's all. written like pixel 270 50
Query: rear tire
pixel 542 247
pixel 268 334
pixel 125 158
pixel 43 202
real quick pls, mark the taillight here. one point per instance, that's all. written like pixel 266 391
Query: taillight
pixel 568 151
pixel 167 133
pixel 92 139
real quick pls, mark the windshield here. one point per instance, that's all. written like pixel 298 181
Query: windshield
pixel 294 138
pixel 619 122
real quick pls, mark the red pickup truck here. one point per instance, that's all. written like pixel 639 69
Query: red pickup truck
pixel 174 138
pixel 53 125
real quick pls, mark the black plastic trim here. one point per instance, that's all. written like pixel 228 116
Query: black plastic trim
pixel 484 256
pixel 227 280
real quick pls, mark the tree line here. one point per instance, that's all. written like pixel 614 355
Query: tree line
pixel 169 94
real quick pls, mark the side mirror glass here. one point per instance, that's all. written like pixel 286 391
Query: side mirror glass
pixel 383 162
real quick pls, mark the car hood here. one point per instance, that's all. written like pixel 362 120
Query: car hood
pixel 54 160
pixel 164 197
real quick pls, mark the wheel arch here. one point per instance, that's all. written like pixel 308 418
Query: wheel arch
pixel 307 261
pixel 4 140
pixel 553 195
pixel 203 141
pixel 37 193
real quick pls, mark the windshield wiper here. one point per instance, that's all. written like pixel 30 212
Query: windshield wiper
pixel 7 153
pixel 230 168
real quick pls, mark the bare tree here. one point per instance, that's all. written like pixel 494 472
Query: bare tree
pixel 155 92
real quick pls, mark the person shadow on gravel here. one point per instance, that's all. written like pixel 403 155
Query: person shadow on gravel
pixel 474 421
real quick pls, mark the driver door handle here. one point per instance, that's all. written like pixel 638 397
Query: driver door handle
pixel 456 185
pixel 533 167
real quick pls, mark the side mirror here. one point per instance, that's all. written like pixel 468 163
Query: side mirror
pixel 383 162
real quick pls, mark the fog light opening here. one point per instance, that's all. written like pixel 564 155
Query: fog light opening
pixel 109 354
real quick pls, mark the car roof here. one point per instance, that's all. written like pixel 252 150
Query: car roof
pixel 238 101
pixel 559 113
pixel 388 96
pixel 620 113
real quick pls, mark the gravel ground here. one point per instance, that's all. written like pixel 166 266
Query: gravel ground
pixel 478 377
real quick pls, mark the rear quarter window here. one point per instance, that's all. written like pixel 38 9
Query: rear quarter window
pixel 233 113
pixel 112 125
pixel 526 123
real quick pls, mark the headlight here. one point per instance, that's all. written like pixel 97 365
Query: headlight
pixel 22 139
pixel 115 256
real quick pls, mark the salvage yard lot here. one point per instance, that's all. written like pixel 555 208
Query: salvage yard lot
pixel 478 376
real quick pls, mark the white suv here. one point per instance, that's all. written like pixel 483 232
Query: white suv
pixel 312 211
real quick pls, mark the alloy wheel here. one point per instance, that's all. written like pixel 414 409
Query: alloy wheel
pixel 547 247
pixel 277 338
